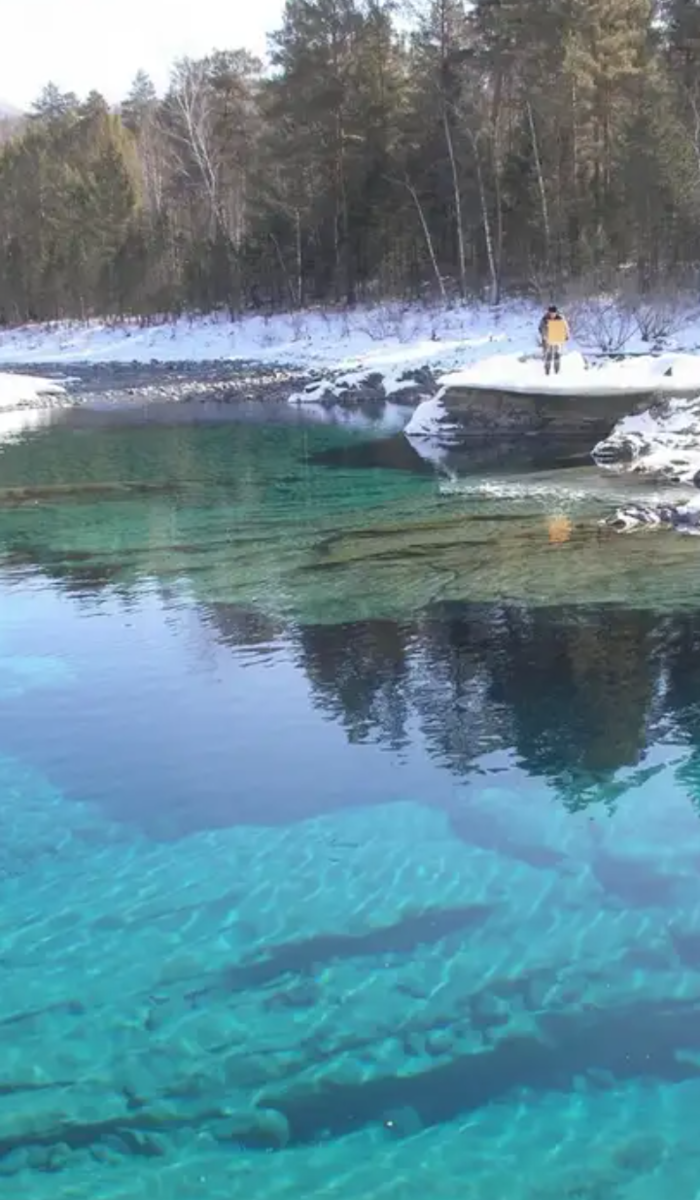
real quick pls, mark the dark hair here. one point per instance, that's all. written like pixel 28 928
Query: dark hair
pixel 552 308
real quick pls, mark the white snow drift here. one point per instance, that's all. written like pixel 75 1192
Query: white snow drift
pixel 19 390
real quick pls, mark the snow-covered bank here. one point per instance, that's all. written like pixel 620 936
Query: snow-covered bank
pixel 391 350
pixel 385 338
pixel 29 390
pixel 510 392
pixel 641 375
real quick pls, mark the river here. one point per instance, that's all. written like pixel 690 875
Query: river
pixel 350 827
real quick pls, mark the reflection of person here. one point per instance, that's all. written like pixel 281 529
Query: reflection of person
pixel 554 333
pixel 559 529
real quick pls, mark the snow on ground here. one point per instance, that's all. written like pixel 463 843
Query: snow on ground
pixel 667 373
pixel 18 390
pixel 471 345
pixel 387 338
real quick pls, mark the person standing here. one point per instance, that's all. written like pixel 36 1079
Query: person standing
pixel 554 334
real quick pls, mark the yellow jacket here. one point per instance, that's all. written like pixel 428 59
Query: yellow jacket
pixel 554 330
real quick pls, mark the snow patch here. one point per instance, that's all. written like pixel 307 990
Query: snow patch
pixel 430 420
pixel 18 390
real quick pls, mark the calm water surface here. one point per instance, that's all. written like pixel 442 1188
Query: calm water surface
pixel 350 813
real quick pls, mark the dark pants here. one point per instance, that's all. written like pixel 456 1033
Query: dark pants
pixel 552 354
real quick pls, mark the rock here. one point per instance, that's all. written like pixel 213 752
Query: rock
pixel 439 1042
pixel 15 1161
pixel 685 518
pixel 661 443
pixel 402 1122
pixel 355 388
pixel 640 1155
pixel 254 1128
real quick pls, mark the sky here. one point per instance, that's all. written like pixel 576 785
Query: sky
pixel 85 44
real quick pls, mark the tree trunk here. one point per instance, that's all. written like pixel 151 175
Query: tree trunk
pixel 283 267
pixel 426 232
pixel 495 288
pixel 299 258
pixel 546 227
pixel 461 256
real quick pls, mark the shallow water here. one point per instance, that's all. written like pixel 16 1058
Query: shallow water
pixel 349 812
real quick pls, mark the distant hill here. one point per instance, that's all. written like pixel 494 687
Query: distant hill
pixel 8 110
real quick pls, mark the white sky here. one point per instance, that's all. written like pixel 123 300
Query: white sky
pixel 84 44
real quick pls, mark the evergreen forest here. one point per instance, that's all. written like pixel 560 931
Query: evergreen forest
pixel 432 149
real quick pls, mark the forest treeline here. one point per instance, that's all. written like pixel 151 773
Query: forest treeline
pixel 450 149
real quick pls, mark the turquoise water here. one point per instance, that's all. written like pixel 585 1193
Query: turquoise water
pixel 350 824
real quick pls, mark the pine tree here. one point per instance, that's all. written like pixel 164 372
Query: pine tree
pixel 515 143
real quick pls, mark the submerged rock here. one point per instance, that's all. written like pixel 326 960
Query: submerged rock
pixel 402 1122
pixel 255 1128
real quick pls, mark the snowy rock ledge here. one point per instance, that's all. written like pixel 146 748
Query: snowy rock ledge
pixel 632 376
pixel 662 443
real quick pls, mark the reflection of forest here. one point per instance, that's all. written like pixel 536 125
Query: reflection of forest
pixel 577 695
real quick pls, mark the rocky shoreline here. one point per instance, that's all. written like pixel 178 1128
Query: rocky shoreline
pixel 108 384
pixel 118 383
pixel 660 441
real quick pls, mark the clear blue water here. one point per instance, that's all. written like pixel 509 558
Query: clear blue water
pixel 350 824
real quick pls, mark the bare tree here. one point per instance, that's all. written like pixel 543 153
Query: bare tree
pixel 192 131
pixel 429 245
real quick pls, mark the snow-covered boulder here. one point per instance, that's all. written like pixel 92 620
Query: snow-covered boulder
pixel 431 420
pixel 368 386
pixel 685 518
pixel 663 442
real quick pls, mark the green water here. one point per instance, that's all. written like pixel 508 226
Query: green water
pixel 349 821
pixel 275 515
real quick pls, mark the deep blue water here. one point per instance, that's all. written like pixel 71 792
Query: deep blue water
pixel 350 825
